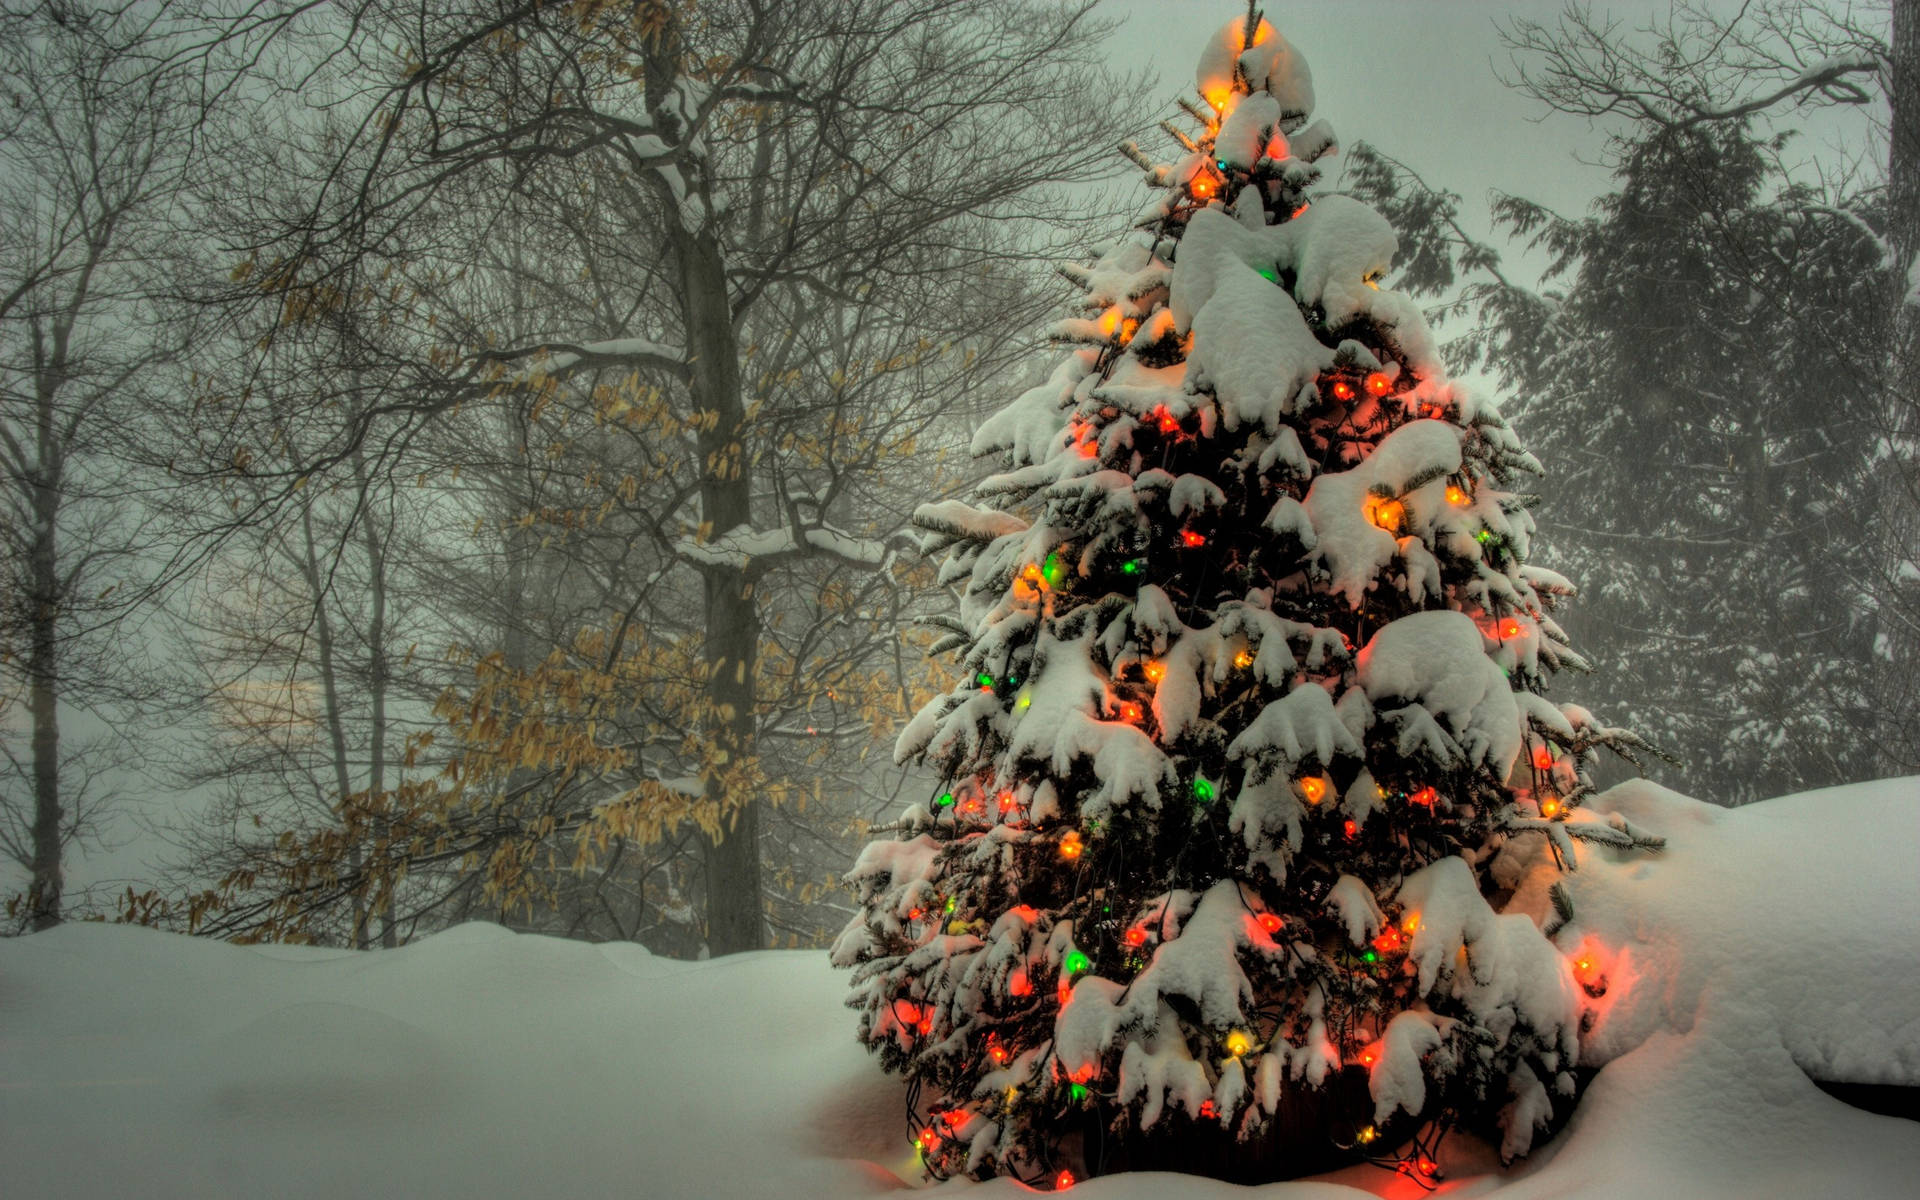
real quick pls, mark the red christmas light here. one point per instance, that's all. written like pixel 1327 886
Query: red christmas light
pixel 1130 711
pixel 1353 828
pixel 1342 390
pixel 1543 757
pixel 1207 1111
pixel 1166 420
pixel 1426 797
pixel 1192 539
pixel 1271 922
pixel 1510 628
pixel 1063 1181
pixel 1018 984
pixel 1136 936
pixel 1007 802
pixel 1388 941
pixel 1277 147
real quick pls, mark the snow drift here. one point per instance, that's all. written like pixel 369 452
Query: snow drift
pixel 1765 947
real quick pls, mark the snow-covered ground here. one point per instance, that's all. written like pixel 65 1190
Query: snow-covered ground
pixel 1765 943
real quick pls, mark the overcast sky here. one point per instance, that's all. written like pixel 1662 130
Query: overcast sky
pixel 1416 78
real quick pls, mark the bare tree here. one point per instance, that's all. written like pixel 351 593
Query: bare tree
pixel 735 224
pixel 94 155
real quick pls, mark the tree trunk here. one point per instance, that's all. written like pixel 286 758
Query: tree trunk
pixel 734 919
pixel 43 653
pixel 43 893
pixel 335 716
pixel 1899 615
pixel 377 675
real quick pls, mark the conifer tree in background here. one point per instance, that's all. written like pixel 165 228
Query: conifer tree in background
pixel 1251 726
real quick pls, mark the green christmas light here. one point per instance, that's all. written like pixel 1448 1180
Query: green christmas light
pixel 945 800
pixel 952 903
pixel 1054 571
pixel 1076 962
pixel 1078 1091
pixel 1370 957
pixel 986 681
pixel 1203 790
pixel 1267 273
pixel 1484 536
pixel 1132 566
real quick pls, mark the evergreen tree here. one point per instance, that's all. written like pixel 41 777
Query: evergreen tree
pixel 1252 725
pixel 1704 389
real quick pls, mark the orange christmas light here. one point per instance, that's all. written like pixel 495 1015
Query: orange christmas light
pixel 1156 672
pixel 1378 384
pixel 1510 628
pixel 1070 845
pixel 1314 788
pixel 1549 808
pixel 1389 514
pixel 1243 660
pixel 1457 495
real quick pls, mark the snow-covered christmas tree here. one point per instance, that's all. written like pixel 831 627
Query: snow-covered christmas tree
pixel 1252 726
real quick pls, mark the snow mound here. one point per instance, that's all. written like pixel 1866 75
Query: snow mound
pixel 1764 946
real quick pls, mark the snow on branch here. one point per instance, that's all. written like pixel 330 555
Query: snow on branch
pixel 587 356
pixel 1828 77
pixel 749 549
